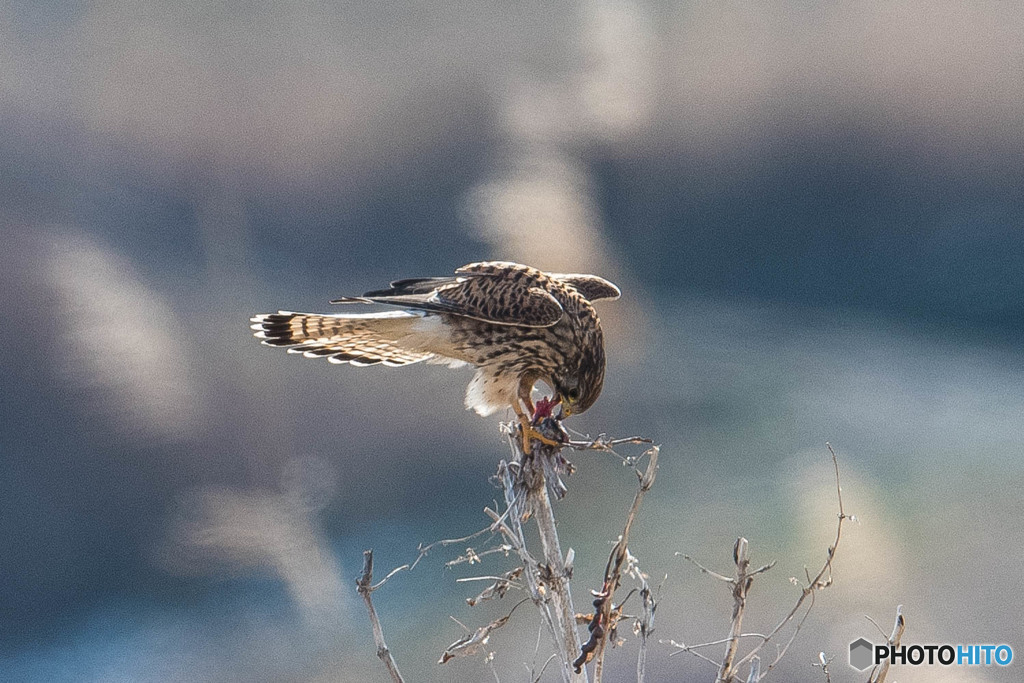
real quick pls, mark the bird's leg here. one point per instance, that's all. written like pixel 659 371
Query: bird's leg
pixel 529 432
pixel 528 403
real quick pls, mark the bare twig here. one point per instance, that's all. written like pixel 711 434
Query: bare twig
pixel 875 624
pixel 529 480
pixel 880 671
pixel 644 626
pixel 526 482
pixel 823 662
pixel 740 584
pixel 364 586
pixel 603 443
pixel 755 670
pixel 692 649
pixel 813 585
pixel 554 656
pixel 603 621
pixel 471 644
pixel 498 588
pixel 705 570
pixel 823 579
pixel 424 549
pixel 681 647
pixel 472 556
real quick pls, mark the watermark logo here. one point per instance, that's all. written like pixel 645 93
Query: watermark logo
pixel 861 654
pixel 865 654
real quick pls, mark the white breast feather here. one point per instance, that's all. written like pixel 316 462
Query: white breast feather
pixel 488 393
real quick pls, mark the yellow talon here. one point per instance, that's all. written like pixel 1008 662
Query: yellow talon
pixel 530 433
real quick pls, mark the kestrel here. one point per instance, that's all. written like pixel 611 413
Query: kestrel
pixel 516 324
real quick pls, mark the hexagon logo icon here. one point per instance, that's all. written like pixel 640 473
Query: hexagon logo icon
pixel 860 654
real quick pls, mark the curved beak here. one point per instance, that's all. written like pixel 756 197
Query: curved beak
pixel 567 406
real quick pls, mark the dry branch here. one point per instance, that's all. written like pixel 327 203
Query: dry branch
pixel 644 626
pixel 471 644
pixel 364 585
pixel 606 614
pixel 741 584
pixel 880 671
pixel 498 588
pixel 528 482
pixel 424 549
pixel 823 663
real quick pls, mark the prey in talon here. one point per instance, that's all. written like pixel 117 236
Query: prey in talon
pixel 546 408
pixel 514 324
pixel 544 417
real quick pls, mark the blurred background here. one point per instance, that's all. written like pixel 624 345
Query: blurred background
pixel 813 210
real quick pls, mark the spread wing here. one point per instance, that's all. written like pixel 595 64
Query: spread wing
pixel 503 294
pixel 591 287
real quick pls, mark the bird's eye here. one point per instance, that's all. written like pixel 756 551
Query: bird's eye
pixel 573 394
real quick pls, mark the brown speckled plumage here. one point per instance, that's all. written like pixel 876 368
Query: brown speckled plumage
pixel 515 324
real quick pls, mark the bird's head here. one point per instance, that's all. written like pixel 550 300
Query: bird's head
pixel 579 388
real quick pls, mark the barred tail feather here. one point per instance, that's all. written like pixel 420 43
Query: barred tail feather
pixel 369 339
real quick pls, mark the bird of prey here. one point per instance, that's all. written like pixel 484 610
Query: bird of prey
pixel 515 324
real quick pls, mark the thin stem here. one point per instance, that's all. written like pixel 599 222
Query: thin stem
pixel 606 614
pixel 741 584
pixel 364 586
pixel 525 489
pixel 557 581
pixel 816 583
pixel 894 641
